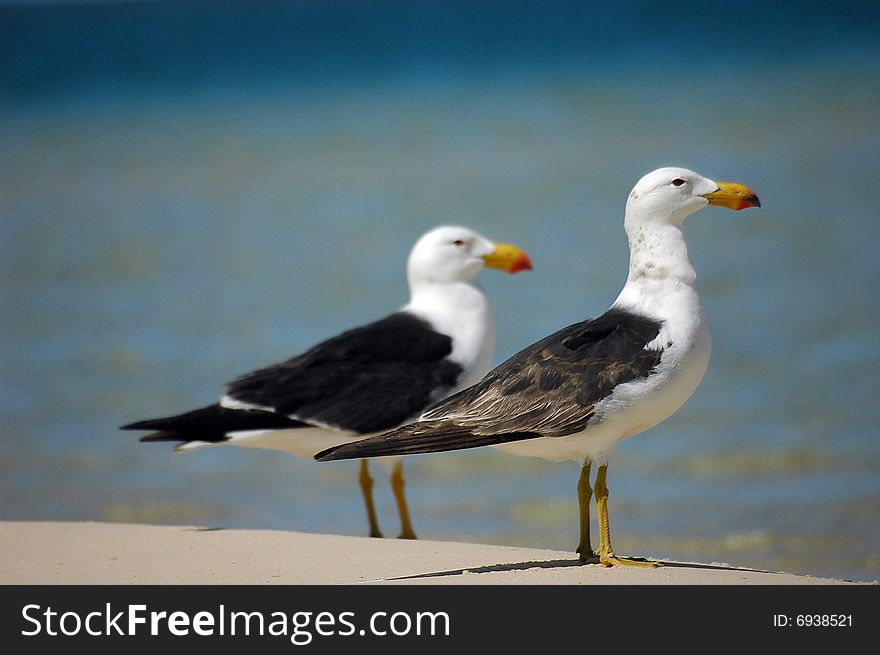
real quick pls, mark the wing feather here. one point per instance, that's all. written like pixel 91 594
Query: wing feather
pixel 550 389
pixel 368 379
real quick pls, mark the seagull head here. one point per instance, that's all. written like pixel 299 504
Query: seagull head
pixel 670 195
pixel 450 254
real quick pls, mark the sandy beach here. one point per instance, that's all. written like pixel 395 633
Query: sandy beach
pixel 125 554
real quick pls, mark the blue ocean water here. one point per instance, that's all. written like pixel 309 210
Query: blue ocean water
pixel 190 190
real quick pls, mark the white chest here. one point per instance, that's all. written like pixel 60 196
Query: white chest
pixel 463 312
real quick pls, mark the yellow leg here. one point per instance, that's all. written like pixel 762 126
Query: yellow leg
pixel 397 485
pixel 606 552
pixel 366 483
pixel 585 494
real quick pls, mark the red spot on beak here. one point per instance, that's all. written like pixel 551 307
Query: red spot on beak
pixel 521 263
pixel 749 201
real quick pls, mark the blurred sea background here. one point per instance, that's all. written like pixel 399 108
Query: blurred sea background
pixel 191 190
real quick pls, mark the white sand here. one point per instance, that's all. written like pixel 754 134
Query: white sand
pixel 109 553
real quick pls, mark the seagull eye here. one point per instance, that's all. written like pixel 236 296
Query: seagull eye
pixel 458 242
pixel 677 181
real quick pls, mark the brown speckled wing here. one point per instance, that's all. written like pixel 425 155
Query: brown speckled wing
pixel 550 389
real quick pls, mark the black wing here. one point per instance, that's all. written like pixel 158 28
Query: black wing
pixel 368 379
pixel 550 389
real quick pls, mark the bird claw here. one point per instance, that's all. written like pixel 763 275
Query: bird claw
pixel 610 559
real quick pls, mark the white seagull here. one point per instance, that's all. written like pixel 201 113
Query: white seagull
pixel 576 393
pixel 369 379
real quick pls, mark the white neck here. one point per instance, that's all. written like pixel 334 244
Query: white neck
pixel 461 310
pixel 661 277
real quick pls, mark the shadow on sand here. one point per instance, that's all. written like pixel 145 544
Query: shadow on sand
pixel 564 563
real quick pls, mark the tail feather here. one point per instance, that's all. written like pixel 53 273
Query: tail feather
pixel 160 436
pixel 421 437
pixel 211 424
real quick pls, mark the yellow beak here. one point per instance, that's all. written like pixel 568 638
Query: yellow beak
pixel 734 196
pixel 508 258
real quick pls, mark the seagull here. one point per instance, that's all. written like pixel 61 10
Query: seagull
pixel 576 393
pixel 369 379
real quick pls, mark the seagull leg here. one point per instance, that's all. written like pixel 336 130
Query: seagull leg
pixel 585 494
pixel 397 485
pixel 606 552
pixel 366 483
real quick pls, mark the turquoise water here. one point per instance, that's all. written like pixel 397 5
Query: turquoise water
pixel 188 193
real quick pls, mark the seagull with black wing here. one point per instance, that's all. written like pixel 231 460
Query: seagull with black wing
pixel 369 379
pixel 579 391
